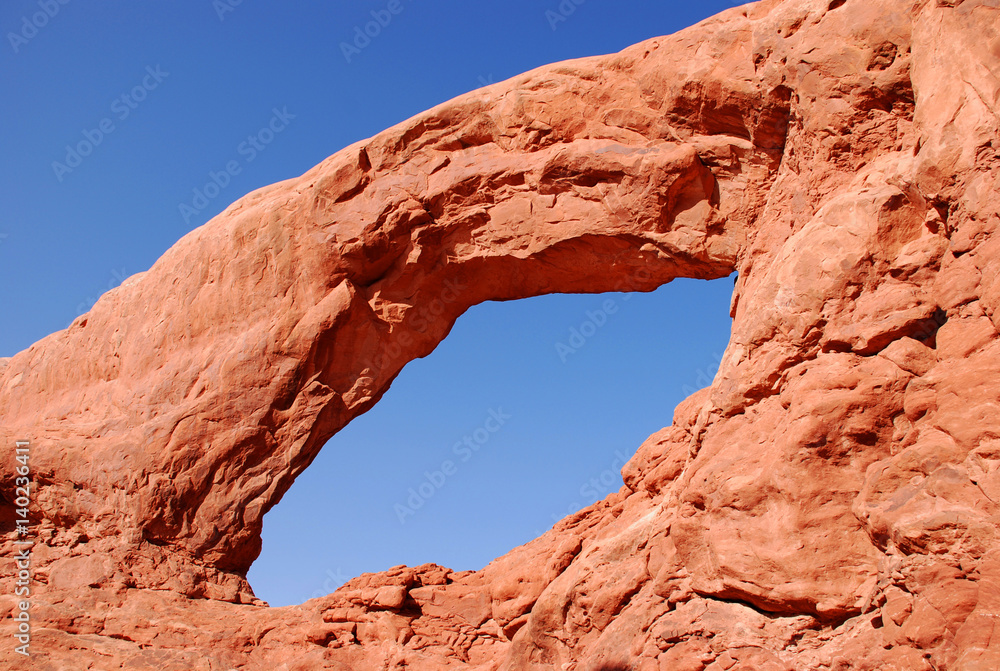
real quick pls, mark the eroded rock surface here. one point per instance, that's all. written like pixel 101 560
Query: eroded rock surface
pixel 831 501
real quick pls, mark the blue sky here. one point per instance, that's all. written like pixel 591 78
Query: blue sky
pixel 115 113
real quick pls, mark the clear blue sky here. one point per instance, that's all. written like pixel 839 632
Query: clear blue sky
pixel 165 93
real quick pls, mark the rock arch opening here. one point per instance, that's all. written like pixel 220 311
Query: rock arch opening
pixel 208 392
pixel 523 415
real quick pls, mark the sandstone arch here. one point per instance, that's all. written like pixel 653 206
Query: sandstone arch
pixel 841 469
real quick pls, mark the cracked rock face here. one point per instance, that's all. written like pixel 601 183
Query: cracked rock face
pixel 831 501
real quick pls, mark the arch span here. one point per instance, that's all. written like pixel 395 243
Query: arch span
pixel 523 415
pixel 211 380
pixel 832 495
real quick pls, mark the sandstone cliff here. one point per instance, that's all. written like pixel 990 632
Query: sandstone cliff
pixel 830 502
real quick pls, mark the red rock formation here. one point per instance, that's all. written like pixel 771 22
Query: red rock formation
pixel 830 502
